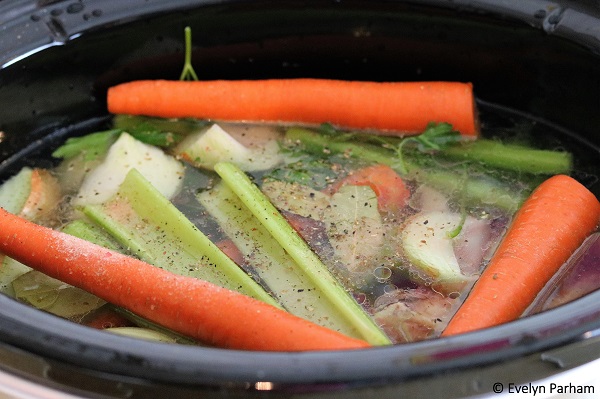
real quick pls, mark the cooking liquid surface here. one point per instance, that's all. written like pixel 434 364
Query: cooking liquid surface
pixel 363 246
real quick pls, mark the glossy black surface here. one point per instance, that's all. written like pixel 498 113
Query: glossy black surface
pixel 538 59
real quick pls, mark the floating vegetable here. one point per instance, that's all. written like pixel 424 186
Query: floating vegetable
pixel 550 226
pixel 406 107
pixel 186 305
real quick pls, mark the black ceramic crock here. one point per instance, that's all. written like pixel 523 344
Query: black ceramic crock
pixel 532 59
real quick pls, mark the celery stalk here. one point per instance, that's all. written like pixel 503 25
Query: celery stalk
pixel 10 269
pixel 512 157
pixel 474 190
pixel 151 227
pixel 270 262
pixel 145 324
pixel 306 260
pixel 92 233
pixel 320 144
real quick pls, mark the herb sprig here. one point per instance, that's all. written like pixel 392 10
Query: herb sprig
pixel 435 137
pixel 188 72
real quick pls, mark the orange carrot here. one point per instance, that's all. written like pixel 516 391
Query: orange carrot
pixel 43 197
pixel 192 307
pixel 549 227
pixel 405 107
pixel 106 318
pixel 392 193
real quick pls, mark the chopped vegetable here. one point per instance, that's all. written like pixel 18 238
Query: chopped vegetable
pixel 162 170
pixel 189 306
pixel 31 193
pixel 349 218
pixel 511 157
pixel 92 146
pixel 149 225
pixel 428 244
pixel 475 190
pixel 413 314
pixel 269 261
pixel 44 196
pixel 545 232
pixel 15 191
pixel 405 107
pixel 207 147
pixel 92 233
pixel 392 193
pixel 297 248
pixel 355 229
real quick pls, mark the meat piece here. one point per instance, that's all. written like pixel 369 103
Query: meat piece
pixel 408 315
pixel 472 244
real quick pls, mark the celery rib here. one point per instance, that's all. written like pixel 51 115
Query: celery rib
pixel 476 190
pixel 150 226
pixel 300 252
pixel 270 262
pixel 512 157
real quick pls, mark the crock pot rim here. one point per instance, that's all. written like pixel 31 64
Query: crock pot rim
pixel 554 17
pixel 23 329
pixel 46 335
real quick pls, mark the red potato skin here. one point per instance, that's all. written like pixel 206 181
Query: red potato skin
pixel 45 194
pixel 550 226
pixel 392 193
pixel 192 307
pixel 403 107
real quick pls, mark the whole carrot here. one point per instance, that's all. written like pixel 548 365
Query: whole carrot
pixel 192 307
pixel 405 107
pixel 549 227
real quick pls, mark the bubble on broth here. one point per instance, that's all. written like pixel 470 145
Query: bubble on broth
pixel 384 280
pixel 382 273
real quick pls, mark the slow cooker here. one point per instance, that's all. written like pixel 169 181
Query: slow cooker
pixel 532 59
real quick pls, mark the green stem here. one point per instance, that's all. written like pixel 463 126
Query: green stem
pixel 92 233
pixel 95 145
pixel 476 190
pixel 151 227
pixel 188 72
pixel 173 130
pixel 298 249
pixel 270 262
pixel 511 157
pixel 141 322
